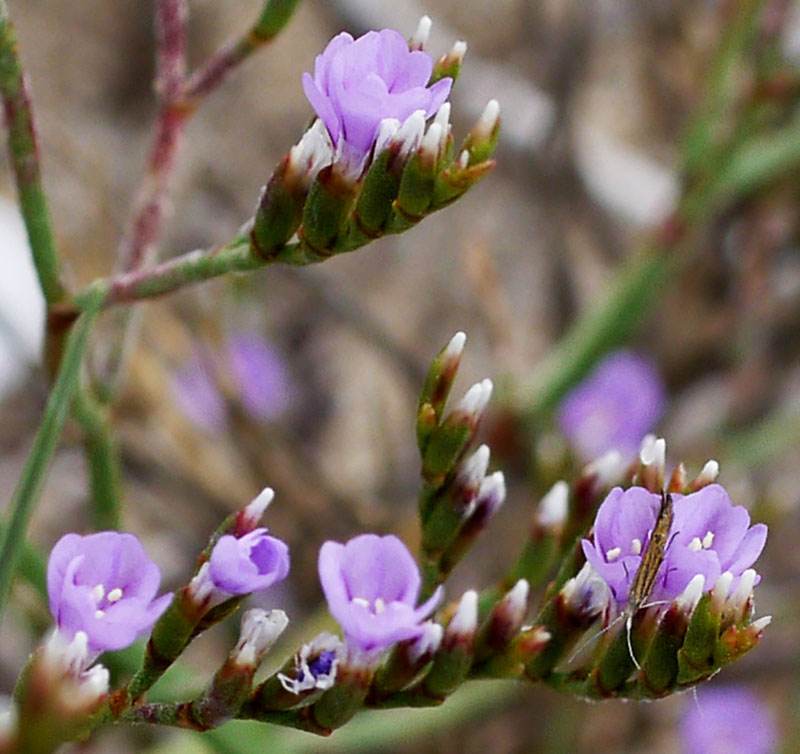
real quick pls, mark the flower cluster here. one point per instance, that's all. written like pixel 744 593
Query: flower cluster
pixel 709 536
pixel 359 83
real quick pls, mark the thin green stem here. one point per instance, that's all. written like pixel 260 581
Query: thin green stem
pixel 102 459
pixel 605 326
pixel 22 146
pixel 44 444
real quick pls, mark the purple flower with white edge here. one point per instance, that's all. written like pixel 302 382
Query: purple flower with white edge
pixel 372 584
pixel 728 720
pixel 709 536
pixel 248 564
pixel 357 83
pixel 104 585
pixel 260 374
pixel 614 407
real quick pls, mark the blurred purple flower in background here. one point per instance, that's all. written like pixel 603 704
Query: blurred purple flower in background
pixel 710 536
pixel 358 83
pixel 614 407
pixel 260 374
pixel 372 584
pixel 259 380
pixel 728 720
pixel 104 585
pixel 196 394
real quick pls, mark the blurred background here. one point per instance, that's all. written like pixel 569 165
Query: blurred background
pixel 306 379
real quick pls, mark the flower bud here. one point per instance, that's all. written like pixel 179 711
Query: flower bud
pixel 482 139
pixel 505 621
pixel 406 661
pixel 419 39
pixel 708 475
pixel 454 658
pixel 653 463
pixel 449 65
pixel 552 511
pixel 260 630
pixel 250 516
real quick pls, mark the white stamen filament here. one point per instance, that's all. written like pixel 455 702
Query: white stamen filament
pixel 708 540
pixel 636 546
pixel 696 545
pixel 115 595
pixel 613 554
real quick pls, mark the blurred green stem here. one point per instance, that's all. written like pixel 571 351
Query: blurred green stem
pixel 44 444
pixel 22 145
pixel 102 460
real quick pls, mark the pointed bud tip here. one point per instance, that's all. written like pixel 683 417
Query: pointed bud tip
pixel 419 39
pixel 709 472
pixel 687 600
pixel 553 507
pixel 761 623
pixel 455 347
pixel 653 452
pixel 458 51
pixel 465 621
pixel 518 594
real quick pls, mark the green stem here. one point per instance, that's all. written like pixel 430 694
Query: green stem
pixel 102 458
pixel 22 146
pixel 600 329
pixel 44 444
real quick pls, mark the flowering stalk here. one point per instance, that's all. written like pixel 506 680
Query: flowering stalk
pixel 44 444
pixel 24 151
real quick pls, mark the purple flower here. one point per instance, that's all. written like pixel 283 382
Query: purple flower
pixel 195 392
pixel 248 564
pixel 358 83
pixel 260 374
pixel 104 585
pixel 614 407
pixel 372 584
pixel 709 536
pixel 728 720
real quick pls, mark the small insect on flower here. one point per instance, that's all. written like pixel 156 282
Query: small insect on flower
pixel 645 578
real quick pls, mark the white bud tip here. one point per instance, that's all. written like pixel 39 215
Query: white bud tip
pixel 745 587
pixel 654 451
pixel 455 347
pixel 486 393
pixel 430 142
pixel 761 623
pixel 474 468
pixel 429 640
pixel 608 468
pixel 458 50
pixel 709 472
pixel 690 596
pixel 419 39
pixel 489 117
pixel 722 587
pixel 553 506
pixel 8 718
pixel 443 116
pixel 465 621
pixel 256 508
pixel 518 595
pixel 96 681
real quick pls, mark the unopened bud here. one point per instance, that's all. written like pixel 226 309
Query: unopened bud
pixel 409 136
pixel 428 642
pixel 482 139
pixel 260 630
pixel 464 623
pixel 687 600
pixel 306 158
pixel 740 602
pixel 251 516
pixel 507 617
pixel 608 469
pixel 469 479
pixel 677 480
pixel 720 592
pixel 553 508
pixel 450 63
pixel 586 595
pixel 419 39
pixel 653 459
pixel 708 475
pixel 430 149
